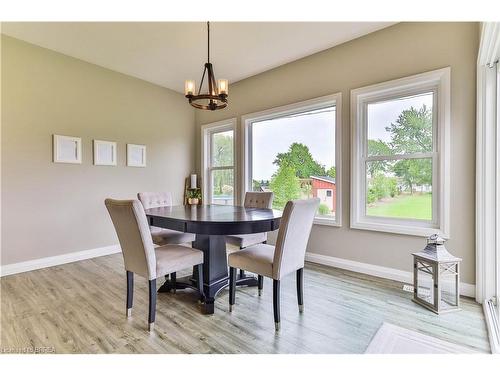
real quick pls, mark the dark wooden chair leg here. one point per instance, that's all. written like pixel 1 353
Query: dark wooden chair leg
pixel 260 283
pixel 242 272
pixel 130 292
pixel 199 281
pixel 276 304
pixel 300 288
pixel 232 287
pixel 152 304
pixel 173 281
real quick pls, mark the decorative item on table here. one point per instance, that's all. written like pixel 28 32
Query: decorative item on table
pixel 436 277
pixel 192 190
pixel 194 196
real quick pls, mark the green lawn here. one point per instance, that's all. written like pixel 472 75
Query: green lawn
pixel 416 206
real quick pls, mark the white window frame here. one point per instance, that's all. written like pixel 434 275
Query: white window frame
pixel 272 113
pixel 437 81
pixel 207 131
pixel 488 181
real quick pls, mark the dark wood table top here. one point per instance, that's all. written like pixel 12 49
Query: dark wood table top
pixel 215 219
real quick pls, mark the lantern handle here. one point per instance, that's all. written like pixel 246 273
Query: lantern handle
pixel 435 238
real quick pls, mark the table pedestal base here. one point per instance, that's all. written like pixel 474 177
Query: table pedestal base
pixel 215 271
pixel 213 290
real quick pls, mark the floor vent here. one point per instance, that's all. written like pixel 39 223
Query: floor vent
pixel 421 291
pixel 408 288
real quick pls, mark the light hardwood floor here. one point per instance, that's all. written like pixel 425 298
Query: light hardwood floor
pixel 80 308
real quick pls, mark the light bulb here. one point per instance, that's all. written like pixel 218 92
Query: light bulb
pixel 223 86
pixel 189 87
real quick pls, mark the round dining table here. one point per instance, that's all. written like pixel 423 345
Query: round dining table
pixel 210 224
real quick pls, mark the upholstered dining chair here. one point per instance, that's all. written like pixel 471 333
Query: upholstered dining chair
pixel 252 200
pixel 280 260
pixel 163 236
pixel 141 257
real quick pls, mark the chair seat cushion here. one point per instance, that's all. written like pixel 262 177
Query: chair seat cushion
pixel 173 258
pixel 162 236
pixel 257 259
pixel 245 240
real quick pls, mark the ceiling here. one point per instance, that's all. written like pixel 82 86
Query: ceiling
pixel 167 53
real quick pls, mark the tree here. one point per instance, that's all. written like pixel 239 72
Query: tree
pixel 285 184
pixel 222 150
pixel 300 159
pixel 377 148
pixel 256 185
pixel 412 133
pixel 222 156
pixel 332 172
pixel 414 172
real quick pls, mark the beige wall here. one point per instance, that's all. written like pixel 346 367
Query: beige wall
pixel 50 209
pixel 398 51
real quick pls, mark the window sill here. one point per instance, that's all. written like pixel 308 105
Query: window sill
pixel 327 222
pixel 411 230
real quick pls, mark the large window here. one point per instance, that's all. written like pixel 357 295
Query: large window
pixel 294 151
pixel 399 155
pixel 218 162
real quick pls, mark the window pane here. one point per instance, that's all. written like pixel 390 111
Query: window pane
pixel 222 149
pixel 294 156
pixel 399 189
pixel 400 126
pixel 223 186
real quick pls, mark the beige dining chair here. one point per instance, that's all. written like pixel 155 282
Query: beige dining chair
pixel 280 260
pixel 141 257
pixel 253 200
pixel 163 236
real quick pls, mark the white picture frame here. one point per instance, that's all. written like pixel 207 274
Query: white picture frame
pixel 67 149
pixel 136 155
pixel 104 153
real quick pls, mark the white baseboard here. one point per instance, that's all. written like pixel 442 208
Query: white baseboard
pixel 369 269
pixel 35 264
pixel 468 290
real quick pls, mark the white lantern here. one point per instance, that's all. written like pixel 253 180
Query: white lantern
pixel 436 278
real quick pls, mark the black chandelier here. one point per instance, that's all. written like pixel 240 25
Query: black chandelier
pixel 216 96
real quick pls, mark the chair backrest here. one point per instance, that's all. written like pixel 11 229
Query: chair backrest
pixel 133 232
pixel 155 199
pixel 295 228
pixel 254 199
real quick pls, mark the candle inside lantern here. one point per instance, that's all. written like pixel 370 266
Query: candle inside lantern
pixel 222 86
pixel 193 181
pixel 189 87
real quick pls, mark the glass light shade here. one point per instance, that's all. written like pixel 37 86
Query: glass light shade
pixel 189 86
pixel 223 86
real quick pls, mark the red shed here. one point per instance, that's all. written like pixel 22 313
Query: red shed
pixel 325 189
